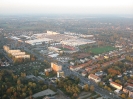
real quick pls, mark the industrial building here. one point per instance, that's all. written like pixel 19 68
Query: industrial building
pixel 38 41
pixel 54 49
pixel 77 42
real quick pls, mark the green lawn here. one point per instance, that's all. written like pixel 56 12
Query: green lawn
pixel 102 49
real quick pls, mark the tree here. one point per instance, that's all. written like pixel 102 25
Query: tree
pixel 125 78
pixel 129 98
pixel 123 96
pixel 92 88
pixel 118 81
pixel 18 82
pixel 47 73
pixel 86 87
pixel 100 84
pixel 8 91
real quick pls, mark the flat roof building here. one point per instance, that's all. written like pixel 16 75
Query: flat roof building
pixel 22 56
pixel 38 41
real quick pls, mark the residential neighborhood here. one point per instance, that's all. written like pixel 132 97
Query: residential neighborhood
pixel 66 58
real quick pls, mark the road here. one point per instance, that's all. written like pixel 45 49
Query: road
pixel 106 94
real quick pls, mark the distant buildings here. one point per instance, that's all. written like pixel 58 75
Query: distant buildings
pixel 68 41
pixel 56 67
pixel 38 41
pixel 94 77
pixel 55 49
pixel 77 42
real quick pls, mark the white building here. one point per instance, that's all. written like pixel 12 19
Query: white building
pixel 116 85
pixel 60 74
pixel 38 41
pixel 55 49
pixel 52 33
pixel 19 53
pixel 100 73
pixel 22 56
pixel 77 42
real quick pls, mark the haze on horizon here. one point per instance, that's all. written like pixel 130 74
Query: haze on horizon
pixel 117 7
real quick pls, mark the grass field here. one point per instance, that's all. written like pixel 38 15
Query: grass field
pixel 103 49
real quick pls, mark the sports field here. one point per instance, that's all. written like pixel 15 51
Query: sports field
pixel 103 49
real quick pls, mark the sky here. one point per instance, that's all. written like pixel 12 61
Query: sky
pixel 66 6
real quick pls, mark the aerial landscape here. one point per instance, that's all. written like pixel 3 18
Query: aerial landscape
pixel 66 49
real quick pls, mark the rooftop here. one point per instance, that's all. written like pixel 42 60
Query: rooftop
pixel 93 76
pixel 114 83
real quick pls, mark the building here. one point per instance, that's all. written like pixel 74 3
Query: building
pixel 76 68
pixel 84 73
pixel 129 90
pixel 81 85
pixel 60 74
pixel 100 73
pixel 52 33
pixel 56 67
pixel 77 42
pixel 19 53
pixel 16 53
pixel 82 60
pixel 38 41
pixel 88 69
pixel 6 48
pixel 13 51
pixel 48 70
pixel 72 63
pixel 55 49
pixel 22 56
pixel 116 85
pixel 94 77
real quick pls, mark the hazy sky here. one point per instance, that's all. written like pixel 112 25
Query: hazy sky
pixel 66 6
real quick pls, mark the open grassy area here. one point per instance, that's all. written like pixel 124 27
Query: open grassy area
pixel 102 49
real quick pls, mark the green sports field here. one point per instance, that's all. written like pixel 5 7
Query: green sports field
pixel 103 49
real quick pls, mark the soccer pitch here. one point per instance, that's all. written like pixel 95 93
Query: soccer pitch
pixel 103 49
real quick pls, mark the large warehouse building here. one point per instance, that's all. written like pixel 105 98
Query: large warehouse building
pixel 38 41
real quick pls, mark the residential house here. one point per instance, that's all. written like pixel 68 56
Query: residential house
pixel 84 73
pixel 129 90
pixel 81 85
pixel 94 77
pixel 116 85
